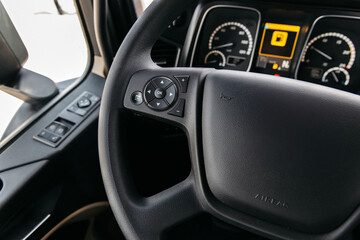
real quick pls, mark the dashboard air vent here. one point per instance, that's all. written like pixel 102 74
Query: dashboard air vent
pixel 165 54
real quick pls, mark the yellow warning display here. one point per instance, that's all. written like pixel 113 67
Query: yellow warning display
pixel 279 40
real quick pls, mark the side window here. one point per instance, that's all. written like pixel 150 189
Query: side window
pixel 52 35
pixel 141 5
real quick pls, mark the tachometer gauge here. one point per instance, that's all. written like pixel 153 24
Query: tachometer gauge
pixel 233 41
pixel 326 59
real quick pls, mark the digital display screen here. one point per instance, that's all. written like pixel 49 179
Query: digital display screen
pixel 277 46
pixel 279 40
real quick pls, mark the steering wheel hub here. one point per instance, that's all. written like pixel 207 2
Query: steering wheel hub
pixel 271 150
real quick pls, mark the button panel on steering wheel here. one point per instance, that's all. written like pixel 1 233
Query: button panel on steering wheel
pixel 160 93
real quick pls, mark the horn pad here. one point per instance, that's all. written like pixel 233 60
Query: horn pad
pixel 282 150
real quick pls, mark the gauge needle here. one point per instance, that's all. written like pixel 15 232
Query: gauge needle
pixel 224 46
pixel 334 75
pixel 321 53
pixel 212 61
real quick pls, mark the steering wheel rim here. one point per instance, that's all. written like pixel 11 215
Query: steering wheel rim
pixel 135 214
pixel 138 44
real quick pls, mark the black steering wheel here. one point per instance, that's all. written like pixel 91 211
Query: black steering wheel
pixel 275 156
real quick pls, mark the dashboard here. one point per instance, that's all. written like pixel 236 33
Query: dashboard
pixel 312 44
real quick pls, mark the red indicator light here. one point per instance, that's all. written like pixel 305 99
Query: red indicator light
pixel 278 75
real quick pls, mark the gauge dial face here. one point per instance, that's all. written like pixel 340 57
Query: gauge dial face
pixel 231 40
pixel 326 59
pixel 336 75
pixel 226 38
pixel 215 59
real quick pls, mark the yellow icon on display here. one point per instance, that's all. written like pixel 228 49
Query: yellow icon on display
pixel 280 41
pixel 279 38
pixel 275 66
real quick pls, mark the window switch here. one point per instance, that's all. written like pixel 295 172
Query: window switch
pixel 61 130
pixel 52 127
pixel 53 138
pixel 44 134
pixel 49 136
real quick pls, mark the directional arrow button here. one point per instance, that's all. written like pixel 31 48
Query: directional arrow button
pixel 149 92
pixel 158 104
pixel 171 94
pixel 162 82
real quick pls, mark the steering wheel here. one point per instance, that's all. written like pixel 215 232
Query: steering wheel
pixel 275 156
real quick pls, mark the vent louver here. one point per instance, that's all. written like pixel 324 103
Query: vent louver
pixel 165 54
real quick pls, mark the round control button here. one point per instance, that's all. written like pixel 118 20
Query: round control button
pixel 83 103
pixel 160 93
pixel 136 98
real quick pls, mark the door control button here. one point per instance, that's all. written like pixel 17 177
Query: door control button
pixel 52 127
pixel 83 103
pixel 178 109
pixel 88 95
pixel 94 99
pixel 72 108
pixel 158 104
pixel 44 134
pixel 184 81
pixel 80 112
pixel 53 138
pixel 61 130
pixel 58 129
pixel 171 94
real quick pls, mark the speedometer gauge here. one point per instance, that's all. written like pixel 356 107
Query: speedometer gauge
pixel 233 41
pixel 332 47
pixel 226 38
pixel 330 56
pixel 327 58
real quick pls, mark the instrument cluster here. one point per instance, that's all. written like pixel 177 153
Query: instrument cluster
pixel 317 48
pixel 228 43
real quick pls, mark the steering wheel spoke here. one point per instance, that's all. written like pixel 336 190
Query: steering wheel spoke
pixel 168 94
pixel 150 217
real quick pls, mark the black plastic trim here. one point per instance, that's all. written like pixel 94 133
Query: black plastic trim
pixel 11 137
